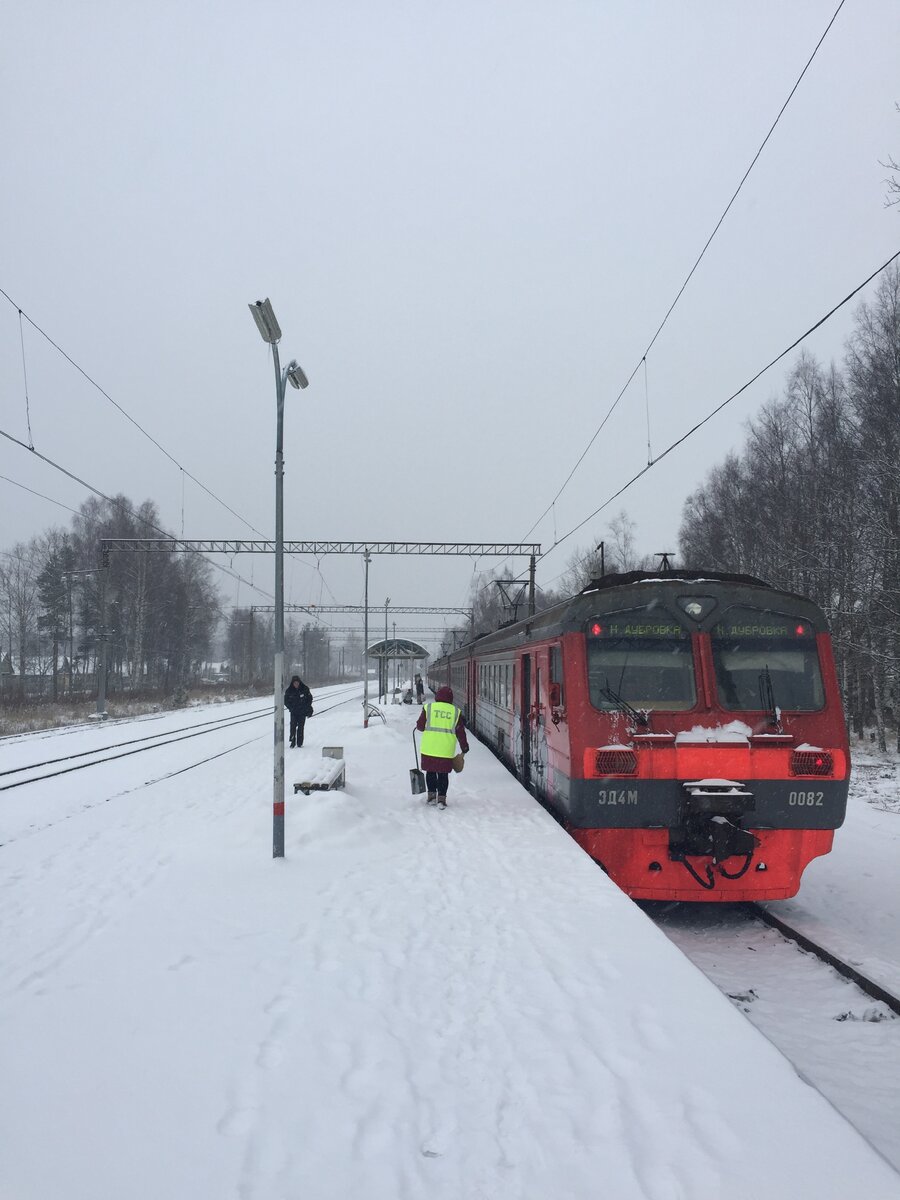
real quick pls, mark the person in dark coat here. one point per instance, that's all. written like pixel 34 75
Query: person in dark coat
pixel 298 702
pixel 420 689
pixel 442 725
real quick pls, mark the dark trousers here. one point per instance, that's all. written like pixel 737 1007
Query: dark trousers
pixel 297 724
pixel 437 781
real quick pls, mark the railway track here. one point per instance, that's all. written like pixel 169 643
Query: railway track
pixel 848 970
pixel 158 744
pixel 130 747
pixel 102 755
pixel 836 1025
pixel 684 923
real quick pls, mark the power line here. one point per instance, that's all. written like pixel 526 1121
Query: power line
pixel 58 503
pixel 93 382
pixel 690 273
pixel 778 357
pixel 103 496
pixel 127 415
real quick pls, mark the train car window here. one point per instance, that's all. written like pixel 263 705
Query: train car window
pixel 763 658
pixel 556 673
pixel 641 657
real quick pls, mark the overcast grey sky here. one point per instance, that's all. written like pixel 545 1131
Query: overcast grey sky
pixel 470 218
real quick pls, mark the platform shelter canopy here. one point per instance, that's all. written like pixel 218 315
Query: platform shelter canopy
pixel 397 648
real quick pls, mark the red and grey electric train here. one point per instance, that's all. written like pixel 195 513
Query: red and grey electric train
pixel 686 730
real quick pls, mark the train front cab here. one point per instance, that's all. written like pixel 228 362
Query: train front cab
pixel 738 775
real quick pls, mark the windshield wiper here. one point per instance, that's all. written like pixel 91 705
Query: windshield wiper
pixel 767 698
pixel 639 716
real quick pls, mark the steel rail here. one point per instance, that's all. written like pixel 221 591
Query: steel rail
pixel 863 982
pixel 160 779
pixel 220 723
pixel 159 741
pixel 99 762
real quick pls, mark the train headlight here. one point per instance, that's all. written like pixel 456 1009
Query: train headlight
pixel 812 762
pixel 616 762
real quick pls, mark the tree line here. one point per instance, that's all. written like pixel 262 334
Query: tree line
pixel 249 641
pixel 162 609
pixel 163 614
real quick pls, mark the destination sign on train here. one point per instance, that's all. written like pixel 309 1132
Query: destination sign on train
pixel 763 629
pixel 618 628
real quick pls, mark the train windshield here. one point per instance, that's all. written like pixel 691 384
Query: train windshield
pixel 764 658
pixel 641 658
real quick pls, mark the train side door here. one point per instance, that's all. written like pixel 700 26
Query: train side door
pixel 525 717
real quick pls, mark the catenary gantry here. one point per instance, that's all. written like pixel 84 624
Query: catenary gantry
pixel 253 546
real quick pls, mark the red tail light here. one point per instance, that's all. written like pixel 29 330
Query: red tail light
pixel 616 762
pixel 812 762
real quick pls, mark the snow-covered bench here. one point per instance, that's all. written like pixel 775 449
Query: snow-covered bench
pixel 329 774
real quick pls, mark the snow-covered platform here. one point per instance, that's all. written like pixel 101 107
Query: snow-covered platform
pixel 413 1005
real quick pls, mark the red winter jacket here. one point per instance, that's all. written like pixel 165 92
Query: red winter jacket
pixel 443 766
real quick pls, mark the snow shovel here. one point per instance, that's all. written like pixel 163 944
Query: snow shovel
pixel 416 777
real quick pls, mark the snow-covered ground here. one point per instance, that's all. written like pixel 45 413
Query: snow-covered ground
pixel 412 1004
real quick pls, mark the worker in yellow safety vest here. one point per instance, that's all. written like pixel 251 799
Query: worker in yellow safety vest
pixel 442 725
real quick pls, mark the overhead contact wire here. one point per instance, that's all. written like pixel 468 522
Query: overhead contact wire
pixel 125 413
pixel 693 269
pixel 734 395
pixel 93 382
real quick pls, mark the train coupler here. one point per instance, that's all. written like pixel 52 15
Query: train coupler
pixel 710 827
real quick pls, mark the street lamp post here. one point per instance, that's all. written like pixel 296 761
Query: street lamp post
pixel 367 558
pixel 270 331
pixel 384 661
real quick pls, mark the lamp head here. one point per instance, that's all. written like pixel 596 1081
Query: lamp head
pixel 295 375
pixel 266 322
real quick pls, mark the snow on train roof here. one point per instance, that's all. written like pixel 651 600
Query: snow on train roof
pixel 624 578
pixel 573 607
